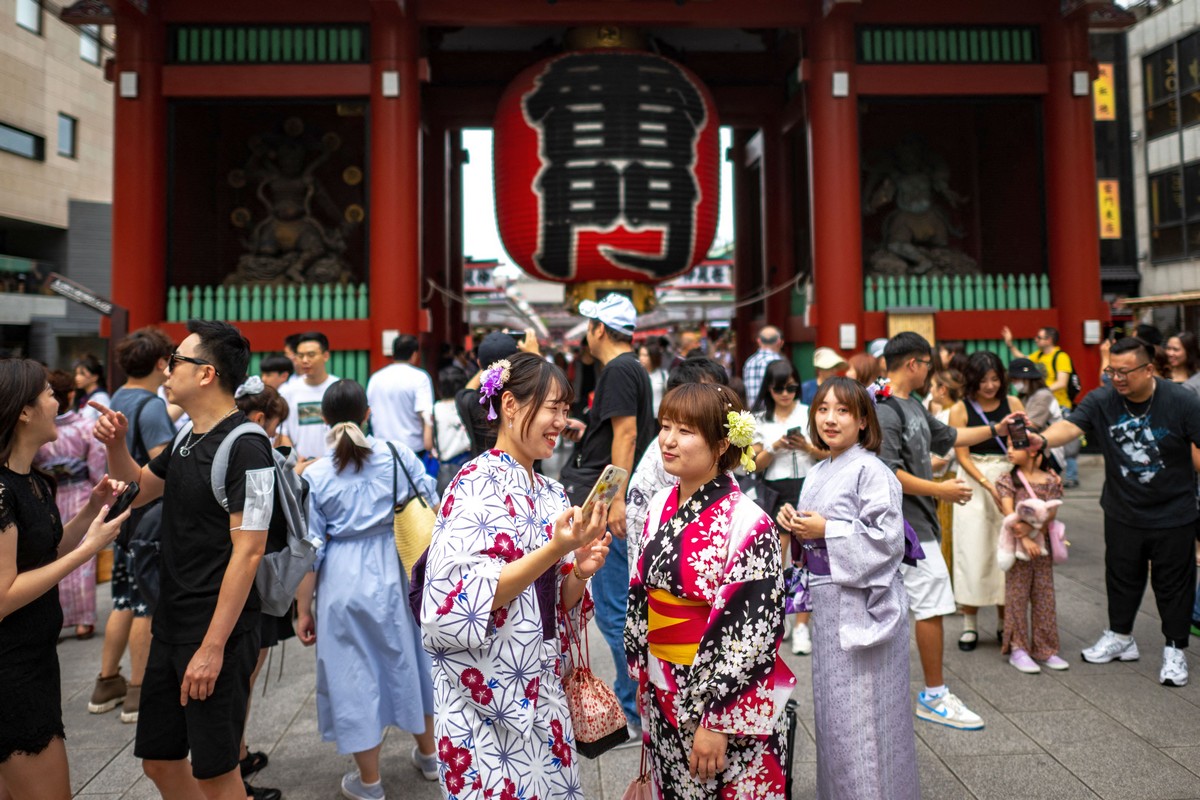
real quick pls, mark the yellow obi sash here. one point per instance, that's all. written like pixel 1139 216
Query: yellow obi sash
pixel 676 626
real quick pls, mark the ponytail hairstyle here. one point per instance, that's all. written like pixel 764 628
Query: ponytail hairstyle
pixel 953 382
pixel 345 403
pixel 532 380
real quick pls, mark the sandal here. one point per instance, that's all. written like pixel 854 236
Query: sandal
pixel 84 632
pixel 261 792
pixel 252 763
pixel 967 641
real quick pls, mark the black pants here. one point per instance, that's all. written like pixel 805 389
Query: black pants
pixel 1170 555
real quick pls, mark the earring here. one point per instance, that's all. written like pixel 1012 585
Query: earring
pixel 510 424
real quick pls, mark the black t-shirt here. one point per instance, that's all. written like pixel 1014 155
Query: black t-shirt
pixel 910 434
pixel 27 501
pixel 623 390
pixel 1148 477
pixel 474 418
pixel 196 540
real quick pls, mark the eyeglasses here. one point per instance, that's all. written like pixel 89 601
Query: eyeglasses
pixel 791 388
pixel 1121 374
pixel 925 361
pixel 199 362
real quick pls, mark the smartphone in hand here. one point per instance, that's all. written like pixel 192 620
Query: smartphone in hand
pixel 605 490
pixel 1018 433
pixel 796 432
pixel 123 501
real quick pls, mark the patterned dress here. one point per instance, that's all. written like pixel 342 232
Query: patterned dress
pixel 1030 584
pixel 501 720
pixel 702 636
pixel 78 462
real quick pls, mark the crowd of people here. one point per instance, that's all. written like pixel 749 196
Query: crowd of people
pixel 843 514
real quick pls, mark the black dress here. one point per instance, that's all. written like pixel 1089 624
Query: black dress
pixel 30 690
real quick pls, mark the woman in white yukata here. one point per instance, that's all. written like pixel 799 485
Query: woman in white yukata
pixel 371 669
pixel 510 560
pixel 851 528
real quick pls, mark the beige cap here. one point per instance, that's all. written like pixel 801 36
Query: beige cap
pixel 827 358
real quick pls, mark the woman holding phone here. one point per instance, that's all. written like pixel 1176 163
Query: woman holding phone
pixel 37 550
pixel 508 565
pixel 783 456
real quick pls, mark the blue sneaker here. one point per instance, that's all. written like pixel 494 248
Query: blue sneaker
pixel 948 710
pixel 353 788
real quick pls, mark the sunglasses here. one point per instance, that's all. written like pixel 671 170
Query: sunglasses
pixel 787 387
pixel 199 362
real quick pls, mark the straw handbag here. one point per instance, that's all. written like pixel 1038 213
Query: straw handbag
pixel 413 524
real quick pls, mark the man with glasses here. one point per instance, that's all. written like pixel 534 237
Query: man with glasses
pixel 304 427
pixel 770 343
pixel 1056 366
pixel 1147 428
pixel 910 435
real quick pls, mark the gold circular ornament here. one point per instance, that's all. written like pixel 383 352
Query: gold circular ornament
pixel 240 217
pixel 352 176
pixel 331 141
pixel 237 178
pixel 355 213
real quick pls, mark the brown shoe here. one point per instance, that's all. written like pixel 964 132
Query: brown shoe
pixel 108 694
pixel 129 712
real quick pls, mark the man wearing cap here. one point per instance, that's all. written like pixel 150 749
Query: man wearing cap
pixel 770 342
pixel 620 425
pixel 826 362
pixel 495 346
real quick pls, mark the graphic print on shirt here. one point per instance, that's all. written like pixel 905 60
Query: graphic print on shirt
pixel 309 413
pixel 1139 446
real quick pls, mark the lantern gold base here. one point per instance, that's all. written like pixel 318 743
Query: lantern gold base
pixel 642 294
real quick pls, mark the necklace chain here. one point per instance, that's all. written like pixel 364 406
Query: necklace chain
pixel 1129 410
pixel 189 445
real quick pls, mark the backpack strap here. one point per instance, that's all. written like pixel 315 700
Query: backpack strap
pixel 220 465
pixel 179 437
pixel 139 443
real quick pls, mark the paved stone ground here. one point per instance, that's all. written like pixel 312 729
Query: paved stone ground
pixel 1094 731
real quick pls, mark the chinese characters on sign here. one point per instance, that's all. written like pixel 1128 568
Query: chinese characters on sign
pixel 1110 209
pixel 1104 94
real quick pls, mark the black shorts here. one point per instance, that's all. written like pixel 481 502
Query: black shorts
pixel 211 730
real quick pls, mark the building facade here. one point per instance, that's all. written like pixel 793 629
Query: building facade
pixel 56 174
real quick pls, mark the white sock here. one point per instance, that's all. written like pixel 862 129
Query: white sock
pixel 369 785
pixel 968 622
pixel 934 692
pixel 1124 638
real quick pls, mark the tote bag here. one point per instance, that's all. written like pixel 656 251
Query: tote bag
pixel 413 524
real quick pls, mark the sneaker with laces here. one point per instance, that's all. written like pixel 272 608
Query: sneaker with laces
pixel 1109 648
pixel 133 699
pixel 107 694
pixel 427 765
pixel 801 640
pixel 1174 670
pixel 948 710
pixel 1056 662
pixel 353 788
pixel 1021 660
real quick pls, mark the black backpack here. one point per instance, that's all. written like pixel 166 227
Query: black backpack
pixel 1074 387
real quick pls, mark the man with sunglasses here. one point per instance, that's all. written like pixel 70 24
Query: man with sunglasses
pixel 1147 428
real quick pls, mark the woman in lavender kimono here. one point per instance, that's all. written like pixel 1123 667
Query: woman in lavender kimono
pixel 705 614
pixel 509 562
pixel 852 531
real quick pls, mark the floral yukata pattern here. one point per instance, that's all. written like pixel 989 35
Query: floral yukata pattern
pixel 501 720
pixel 719 555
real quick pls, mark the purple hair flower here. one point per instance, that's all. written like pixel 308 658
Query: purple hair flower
pixel 494 378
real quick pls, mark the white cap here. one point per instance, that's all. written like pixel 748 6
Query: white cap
pixel 616 311
pixel 875 348
pixel 827 358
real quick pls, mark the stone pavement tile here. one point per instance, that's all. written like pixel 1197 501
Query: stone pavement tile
pixel 937 781
pixel 617 769
pixel 1158 714
pixel 589 777
pixel 84 765
pixel 1187 756
pixel 998 736
pixel 1010 690
pixel 804 779
pixel 145 789
pixel 1030 777
pixel 115 772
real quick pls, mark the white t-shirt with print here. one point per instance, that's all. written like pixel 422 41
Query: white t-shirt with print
pixel 305 426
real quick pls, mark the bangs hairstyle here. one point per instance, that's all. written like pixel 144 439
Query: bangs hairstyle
pixel 704 407
pixel 854 396
pixel 533 381
pixel 268 401
pixel 979 365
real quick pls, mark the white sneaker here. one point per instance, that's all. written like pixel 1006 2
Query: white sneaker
pixel 801 640
pixel 948 710
pixel 1174 667
pixel 1109 647
pixel 426 764
pixel 354 789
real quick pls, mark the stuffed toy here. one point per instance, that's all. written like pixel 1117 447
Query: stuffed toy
pixel 1034 512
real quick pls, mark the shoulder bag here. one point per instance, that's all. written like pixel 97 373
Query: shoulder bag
pixel 413 523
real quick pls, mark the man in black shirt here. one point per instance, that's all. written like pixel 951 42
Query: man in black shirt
pixel 1147 428
pixel 620 425
pixel 206 626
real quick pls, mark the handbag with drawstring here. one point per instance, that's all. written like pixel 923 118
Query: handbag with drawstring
pixel 639 787
pixel 596 713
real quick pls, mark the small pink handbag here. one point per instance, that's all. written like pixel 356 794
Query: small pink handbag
pixel 639 788
pixel 596 713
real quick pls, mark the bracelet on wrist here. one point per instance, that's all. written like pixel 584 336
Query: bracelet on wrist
pixel 578 573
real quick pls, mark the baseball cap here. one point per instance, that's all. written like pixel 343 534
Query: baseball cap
pixel 827 358
pixel 495 346
pixel 616 311
pixel 875 348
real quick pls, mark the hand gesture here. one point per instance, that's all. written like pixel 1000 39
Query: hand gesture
pixel 784 443
pixel 590 558
pixel 572 532
pixel 995 493
pixel 100 534
pixel 306 630
pixel 574 430
pixel 201 676
pixel 1002 425
pixel 111 426
pixel 786 515
pixel 808 525
pixel 707 758
pixel 956 491
pixel 1007 334
pixel 104 493
pixel 530 343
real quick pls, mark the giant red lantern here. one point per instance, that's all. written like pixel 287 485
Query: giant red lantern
pixel 606 168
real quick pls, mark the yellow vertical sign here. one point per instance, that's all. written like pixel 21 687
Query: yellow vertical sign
pixel 1110 209
pixel 1104 96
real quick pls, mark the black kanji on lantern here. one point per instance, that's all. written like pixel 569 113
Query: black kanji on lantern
pixel 617 135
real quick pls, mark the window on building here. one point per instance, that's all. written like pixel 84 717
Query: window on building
pixel 29 15
pixel 1171 83
pixel 67 126
pixel 89 43
pixel 22 143
pixel 1175 213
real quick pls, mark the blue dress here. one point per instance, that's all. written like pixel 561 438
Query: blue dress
pixel 371 669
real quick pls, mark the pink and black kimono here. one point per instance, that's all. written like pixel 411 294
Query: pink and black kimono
pixel 702 637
